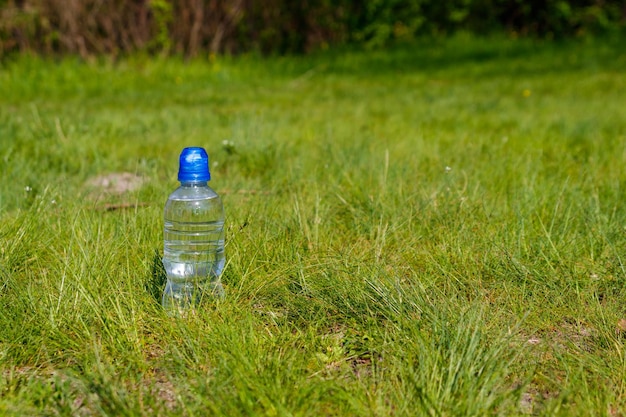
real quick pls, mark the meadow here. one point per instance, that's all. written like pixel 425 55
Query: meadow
pixel 433 229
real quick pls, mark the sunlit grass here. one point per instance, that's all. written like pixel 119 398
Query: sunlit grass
pixel 436 229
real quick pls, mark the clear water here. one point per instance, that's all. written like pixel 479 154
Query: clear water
pixel 194 246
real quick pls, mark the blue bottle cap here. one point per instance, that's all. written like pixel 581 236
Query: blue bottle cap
pixel 194 165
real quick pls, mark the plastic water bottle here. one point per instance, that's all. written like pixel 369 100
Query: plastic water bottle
pixel 194 235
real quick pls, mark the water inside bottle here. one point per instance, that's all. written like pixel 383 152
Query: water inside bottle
pixel 193 252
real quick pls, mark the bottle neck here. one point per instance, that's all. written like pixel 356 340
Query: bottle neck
pixel 194 183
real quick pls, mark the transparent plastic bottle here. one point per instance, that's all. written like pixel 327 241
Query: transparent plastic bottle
pixel 193 254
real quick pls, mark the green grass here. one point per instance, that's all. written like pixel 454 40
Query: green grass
pixel 436 229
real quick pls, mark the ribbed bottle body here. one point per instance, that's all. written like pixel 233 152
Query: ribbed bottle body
pixel 193 254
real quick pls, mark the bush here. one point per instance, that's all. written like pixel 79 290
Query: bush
pixel 190 27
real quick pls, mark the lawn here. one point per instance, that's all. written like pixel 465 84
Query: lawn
pixel 434 229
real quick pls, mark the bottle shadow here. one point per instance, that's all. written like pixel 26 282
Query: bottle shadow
pixel 158 277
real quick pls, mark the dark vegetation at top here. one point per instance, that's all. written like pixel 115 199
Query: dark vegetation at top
pixel 192 27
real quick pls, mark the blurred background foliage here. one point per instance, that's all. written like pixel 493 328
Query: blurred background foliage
pixel 192 27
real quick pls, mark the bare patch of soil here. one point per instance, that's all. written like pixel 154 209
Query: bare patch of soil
pixel 116 183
